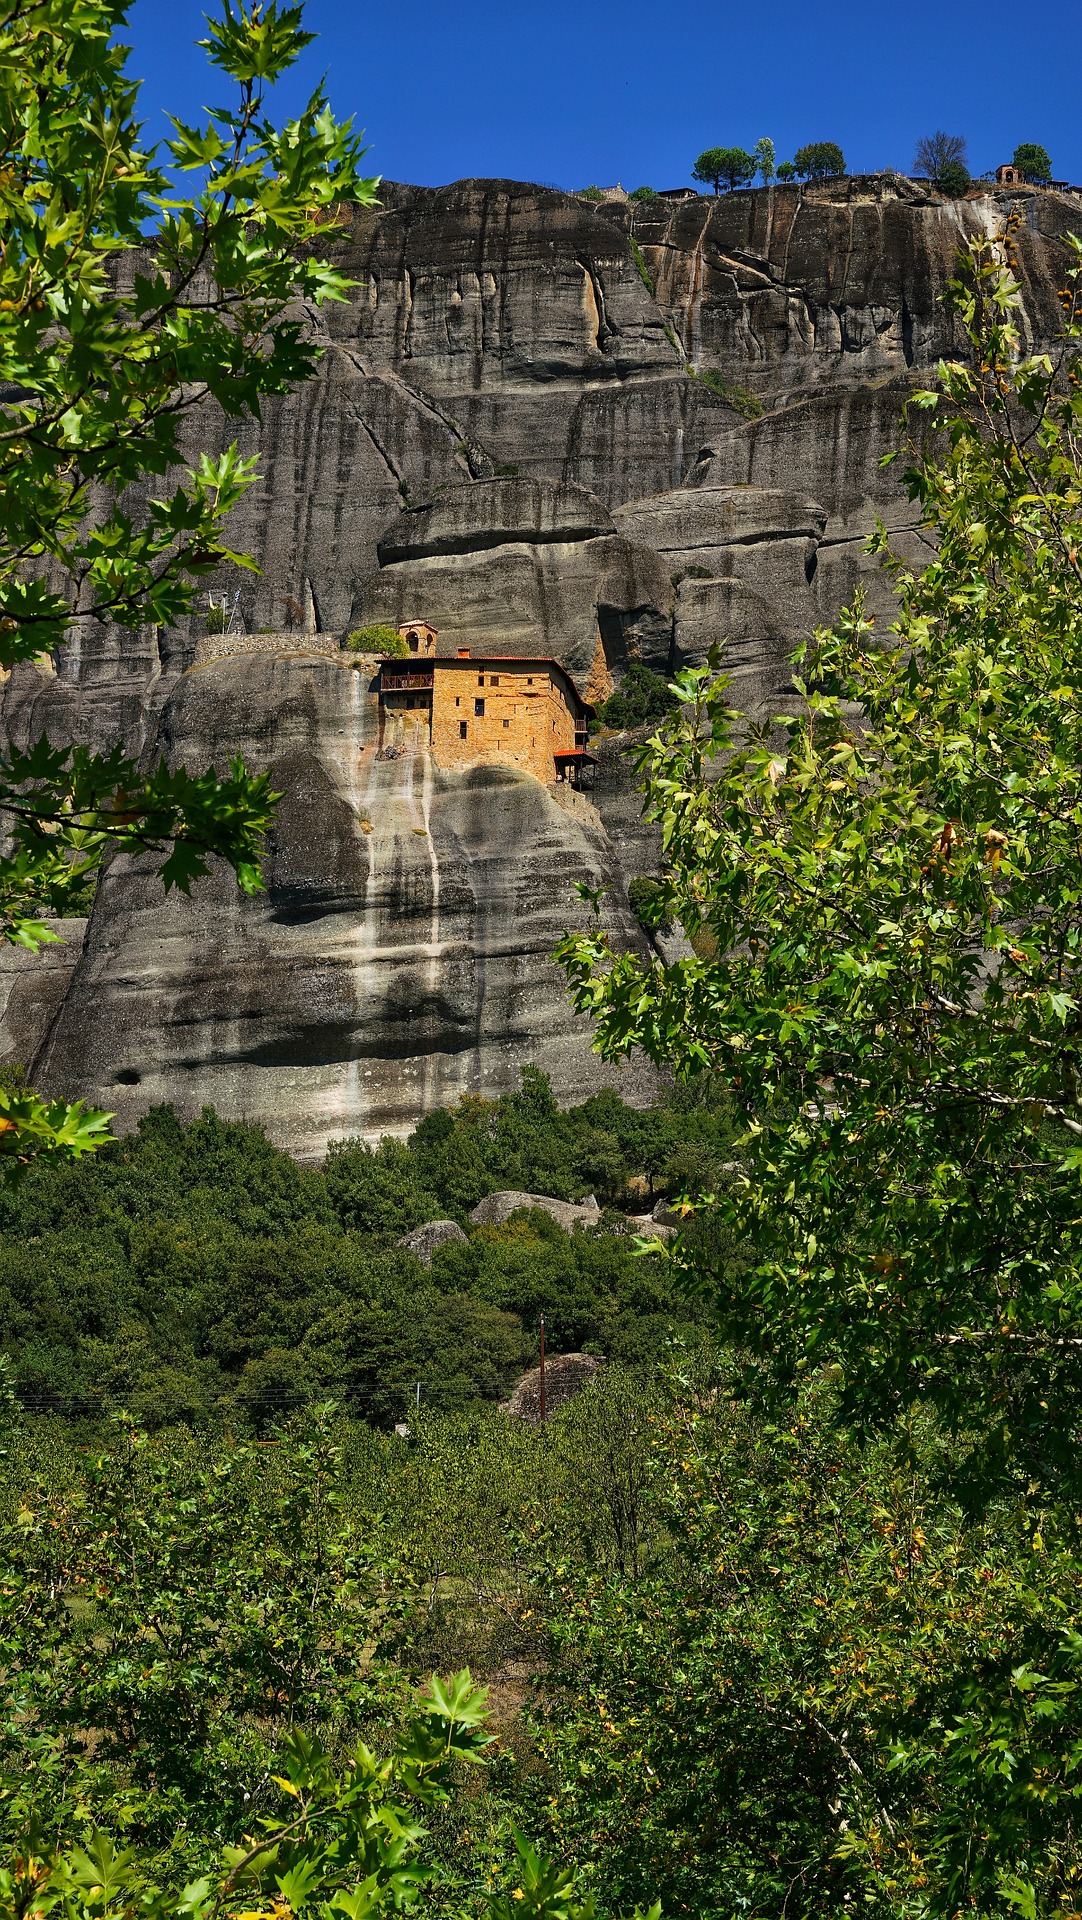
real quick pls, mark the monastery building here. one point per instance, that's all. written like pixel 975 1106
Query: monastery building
pixel 492 709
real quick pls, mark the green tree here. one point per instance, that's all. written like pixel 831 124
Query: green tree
pixel 821 160
pixel 895 985
pixel 937 151
pixel 765 159
pixel 125 303
pixel 379 639
pixel 172 1603
pixel 344 1837
pixel 953 179
pixel 786 170
pixel 641 696
pixel 732 164
pixel 1033 162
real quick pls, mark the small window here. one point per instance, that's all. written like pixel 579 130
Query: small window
pixel 479 708
pixel 458 702
pixel 507 723
pixel 529 680
pixel 480 679
pixel 462 729
pixel 493 679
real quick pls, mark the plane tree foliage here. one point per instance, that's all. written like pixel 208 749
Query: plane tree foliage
pixel 136 286
pixel 891 874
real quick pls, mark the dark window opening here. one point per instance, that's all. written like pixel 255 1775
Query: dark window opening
pixel 479 708
pixel 507 723
pixel 529 680
pixel 458 702
pixel 462 729
pixel 493 679
pixel 480 679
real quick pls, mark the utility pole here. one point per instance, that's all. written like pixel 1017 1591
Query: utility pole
pixel 542 1369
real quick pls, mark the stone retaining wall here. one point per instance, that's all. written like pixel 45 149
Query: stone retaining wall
pixel 217 646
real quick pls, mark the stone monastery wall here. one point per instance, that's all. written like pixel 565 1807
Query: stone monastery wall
pixel 514 714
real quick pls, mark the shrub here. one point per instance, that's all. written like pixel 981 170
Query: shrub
pixel 733 395
pixel 377 639
pixel 642 695
pixel 953 179
pixel 645 193
pixel 590 193
pixel 217 618
pixel 645 894
pixel 643 270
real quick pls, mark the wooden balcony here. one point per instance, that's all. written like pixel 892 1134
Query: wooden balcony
pixel 406 679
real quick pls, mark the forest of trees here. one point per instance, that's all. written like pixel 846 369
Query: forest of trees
pixel 781 1616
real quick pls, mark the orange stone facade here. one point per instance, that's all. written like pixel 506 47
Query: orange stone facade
pixel 488 711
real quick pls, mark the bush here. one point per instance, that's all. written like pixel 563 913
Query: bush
pixel 217 618
pixel 641 267
pixel 645 193
pixel 645 895
pixel 641 696
pixel 590 193
pixel 735 396
pixel 953 179
pixel 377 639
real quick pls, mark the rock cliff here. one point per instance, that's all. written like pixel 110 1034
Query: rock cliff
pixel 600 432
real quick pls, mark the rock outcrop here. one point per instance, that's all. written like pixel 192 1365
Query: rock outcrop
pixel 566 1374
pixel 496 1209
pixel 604 432
pixel 424 1241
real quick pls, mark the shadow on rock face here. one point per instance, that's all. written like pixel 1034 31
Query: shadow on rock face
pixel 400 957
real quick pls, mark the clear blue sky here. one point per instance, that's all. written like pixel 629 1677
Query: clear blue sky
pixel 569 94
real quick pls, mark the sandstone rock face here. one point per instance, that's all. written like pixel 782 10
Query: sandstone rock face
pixel 401 954
pixel 600 432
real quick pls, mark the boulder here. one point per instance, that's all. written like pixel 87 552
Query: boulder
pixel 423 1241
pixel 566 1374
pixel 497 1208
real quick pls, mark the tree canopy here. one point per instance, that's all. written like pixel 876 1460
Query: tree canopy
pixel 125 302
pixel 895 910
pixel 1032 161
pixel 734 165
pixel 935 151
pixel 820 160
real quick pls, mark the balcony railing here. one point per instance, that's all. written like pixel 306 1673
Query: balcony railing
pixel 406 682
